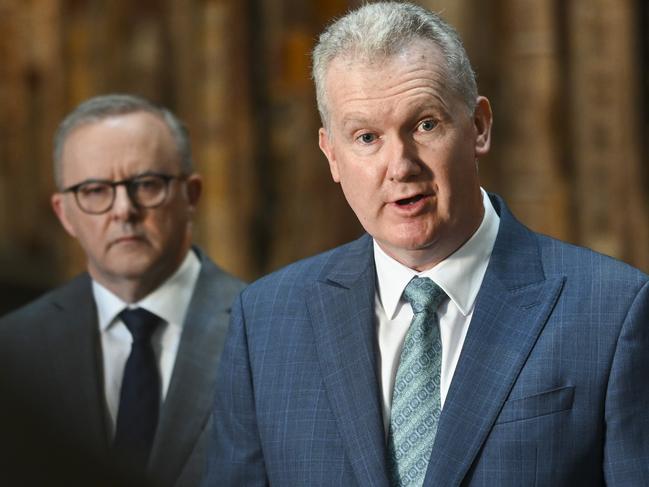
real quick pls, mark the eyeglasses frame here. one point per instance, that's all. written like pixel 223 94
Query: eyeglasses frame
pixel 127 182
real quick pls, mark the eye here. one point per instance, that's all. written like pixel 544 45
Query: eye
pixel 147 184
pixel 367 138
pixel 94 189
pixel 427 125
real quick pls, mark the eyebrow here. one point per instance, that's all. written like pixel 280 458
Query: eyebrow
pixel 355 118
pixel 134 176
pixel 438 107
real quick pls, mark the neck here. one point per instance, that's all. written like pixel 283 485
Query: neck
pixel 130 290
pixel 420 259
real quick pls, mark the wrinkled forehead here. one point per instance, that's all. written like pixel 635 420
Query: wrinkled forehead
pixel 361 54
pixel 139 123
pixel 424 52
pixel 133 142
pixel 356 76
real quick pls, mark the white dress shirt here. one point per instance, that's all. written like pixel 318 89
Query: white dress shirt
pixel 170 302
pixel 459 275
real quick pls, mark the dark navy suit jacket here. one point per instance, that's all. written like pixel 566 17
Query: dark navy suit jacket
pixel 52 394
pixel 551 388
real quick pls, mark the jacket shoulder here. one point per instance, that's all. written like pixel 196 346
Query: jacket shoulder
pixel 562 258
pixel 36 310
pixel 223 282
pixel 519 249
pixel 303 273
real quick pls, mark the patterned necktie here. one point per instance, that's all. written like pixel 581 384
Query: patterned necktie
pixel 416 404
pixel 137 416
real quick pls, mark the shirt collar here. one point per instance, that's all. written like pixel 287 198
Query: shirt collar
pixel 459 275
pixel 169 301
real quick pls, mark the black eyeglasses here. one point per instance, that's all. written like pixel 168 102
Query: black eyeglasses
pixel 96 196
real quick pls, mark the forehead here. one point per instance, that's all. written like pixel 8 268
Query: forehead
pixel 119 146
pixel 416 74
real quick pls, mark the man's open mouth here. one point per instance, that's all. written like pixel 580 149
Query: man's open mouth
pixel 409 201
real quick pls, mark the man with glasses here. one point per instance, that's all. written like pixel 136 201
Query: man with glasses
pixel 116 367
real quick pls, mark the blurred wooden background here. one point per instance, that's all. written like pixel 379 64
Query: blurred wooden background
pixel 568 81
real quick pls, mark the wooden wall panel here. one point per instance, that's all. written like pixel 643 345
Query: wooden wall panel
pixel 303 209
pixel 611 194
pixel 225 141
pixel 31 81
pixel 528 120
pixel 567 81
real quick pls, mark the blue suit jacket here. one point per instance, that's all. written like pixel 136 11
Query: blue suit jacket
pixel 551 387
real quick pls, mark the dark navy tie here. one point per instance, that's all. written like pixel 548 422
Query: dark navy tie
pixel 137 416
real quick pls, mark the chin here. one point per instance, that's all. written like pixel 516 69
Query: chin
pixel 133 267
pixel 401 244
pixel 419 240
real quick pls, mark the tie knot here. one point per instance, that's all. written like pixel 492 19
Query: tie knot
pixel 140 322
pixel 423 295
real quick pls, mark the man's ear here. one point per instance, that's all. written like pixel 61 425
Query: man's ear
pixel 326 147
pixel 482 120
pixel 61 211
pixel 194 189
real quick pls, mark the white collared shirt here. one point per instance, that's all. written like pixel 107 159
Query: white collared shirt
pixel 170 302
pixel 459 275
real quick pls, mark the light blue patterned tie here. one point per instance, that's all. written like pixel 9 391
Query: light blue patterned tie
pixel 416 404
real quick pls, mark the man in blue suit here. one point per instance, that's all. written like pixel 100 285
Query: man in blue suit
pixel 450 345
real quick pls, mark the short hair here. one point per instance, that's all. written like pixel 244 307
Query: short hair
pixel 378 31
pixel 106 106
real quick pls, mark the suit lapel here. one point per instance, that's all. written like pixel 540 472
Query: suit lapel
pixel 511 309
pixel 341 308
pixel 191 390
pixel 73 337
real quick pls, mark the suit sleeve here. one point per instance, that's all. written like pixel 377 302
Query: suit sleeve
pixel 235 456
pixel 626 448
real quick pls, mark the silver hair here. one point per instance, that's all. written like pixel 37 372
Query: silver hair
pixel 106 106
pixel 377 31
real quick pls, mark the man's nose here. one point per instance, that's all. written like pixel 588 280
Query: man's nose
pixel 123 207
pixel 403 162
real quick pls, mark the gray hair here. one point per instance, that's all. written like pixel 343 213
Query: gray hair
pixel 106 106
pixel 377 31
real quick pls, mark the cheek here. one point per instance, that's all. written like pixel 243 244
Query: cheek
pixel 165 226
pixel 89 228
pixel 459 171
pixel 360 187
pixel 92 238
pixel 157 226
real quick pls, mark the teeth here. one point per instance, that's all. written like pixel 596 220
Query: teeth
pixel 407 201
